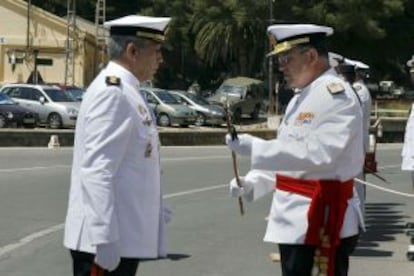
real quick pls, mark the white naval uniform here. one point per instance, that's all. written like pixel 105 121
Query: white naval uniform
pixel 366 102
pixel 319 138
pixel 407 153
pixel 115 193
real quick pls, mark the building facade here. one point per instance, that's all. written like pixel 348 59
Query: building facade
pixel 33 39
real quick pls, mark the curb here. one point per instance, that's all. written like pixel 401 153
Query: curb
pixel 174 137
pixel 179 137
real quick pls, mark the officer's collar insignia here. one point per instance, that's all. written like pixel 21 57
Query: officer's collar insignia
pixel 148 150
pixel 357 87
pixel 335 88
pixel 113 80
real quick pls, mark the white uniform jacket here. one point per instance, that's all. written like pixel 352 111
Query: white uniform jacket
pixel 366 102
pixel 319 138
pixel 115 193
pixel 408 147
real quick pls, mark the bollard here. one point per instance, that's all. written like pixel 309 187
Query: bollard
pixel 53 142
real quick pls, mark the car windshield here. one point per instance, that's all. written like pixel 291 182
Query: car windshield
pixel 230 89
pixel 76 93
pixel 166 97
pixel 197 99
pixel 4 99
pixel 58 95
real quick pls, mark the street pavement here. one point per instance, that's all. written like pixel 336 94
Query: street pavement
pixel 207 236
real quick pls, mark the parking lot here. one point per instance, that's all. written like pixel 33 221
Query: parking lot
pixel 207 236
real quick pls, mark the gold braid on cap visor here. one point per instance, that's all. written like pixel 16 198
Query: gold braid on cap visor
pixel 157 37
pixel 286 45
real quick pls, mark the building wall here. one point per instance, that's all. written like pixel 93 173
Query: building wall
pixel 47 35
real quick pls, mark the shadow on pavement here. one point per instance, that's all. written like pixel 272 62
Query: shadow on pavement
pixel 383 221
pixel 171 257
pixel 177 257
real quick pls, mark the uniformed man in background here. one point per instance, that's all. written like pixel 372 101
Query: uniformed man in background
pixel 407 153
pixel 115 213
pixel 359 85
pixel 410 64
pixel 354 72
pixel 315 213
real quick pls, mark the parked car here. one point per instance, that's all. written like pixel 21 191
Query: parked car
pixel 167 109
pixel 13 115
pixel 409 94
pixel 54 106
pixel 207 113
pixel 243 95
pixel 75 92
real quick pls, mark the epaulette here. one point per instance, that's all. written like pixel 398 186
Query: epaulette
pixel 113 80
pixel 335 88
pixel 357 87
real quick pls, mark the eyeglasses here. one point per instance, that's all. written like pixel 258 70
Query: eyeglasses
pixel 286 57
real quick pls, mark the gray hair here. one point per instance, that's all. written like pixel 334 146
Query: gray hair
pixel 117 45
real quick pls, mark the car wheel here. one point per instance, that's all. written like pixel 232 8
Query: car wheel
pixel 54 121
pixel 163 120
pixel 255 113
pixel 200 119
pixel 2 121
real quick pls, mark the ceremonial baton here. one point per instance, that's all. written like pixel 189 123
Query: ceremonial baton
pixel 369 170
pixel 232 130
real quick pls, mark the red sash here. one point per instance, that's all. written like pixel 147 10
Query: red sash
pixel 326 212
pixel 97 270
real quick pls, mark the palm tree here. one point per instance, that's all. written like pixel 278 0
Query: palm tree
pixel 230 32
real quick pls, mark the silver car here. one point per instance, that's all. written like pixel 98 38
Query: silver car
pixel 207 113
pixel 56 109
pixel 167 109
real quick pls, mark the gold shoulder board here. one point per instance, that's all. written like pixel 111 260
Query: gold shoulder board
pixel 113 80
pixel 335 87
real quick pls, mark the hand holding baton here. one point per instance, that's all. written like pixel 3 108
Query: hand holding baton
pixel 232 130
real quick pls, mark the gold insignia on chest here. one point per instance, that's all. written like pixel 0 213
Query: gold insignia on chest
pixel 147 122
pixel 148 150
pixel 142 110
pixel 335 88
pixel 304 118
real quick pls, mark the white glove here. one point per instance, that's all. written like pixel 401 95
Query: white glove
pixel 242 145
pixel 107 256
pixel 246 189
pixel 167 214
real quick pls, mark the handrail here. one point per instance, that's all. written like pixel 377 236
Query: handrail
pixel 378 112
pixel 377 122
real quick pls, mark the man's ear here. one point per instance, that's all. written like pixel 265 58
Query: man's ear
pixel 312 55
pixel 131 50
